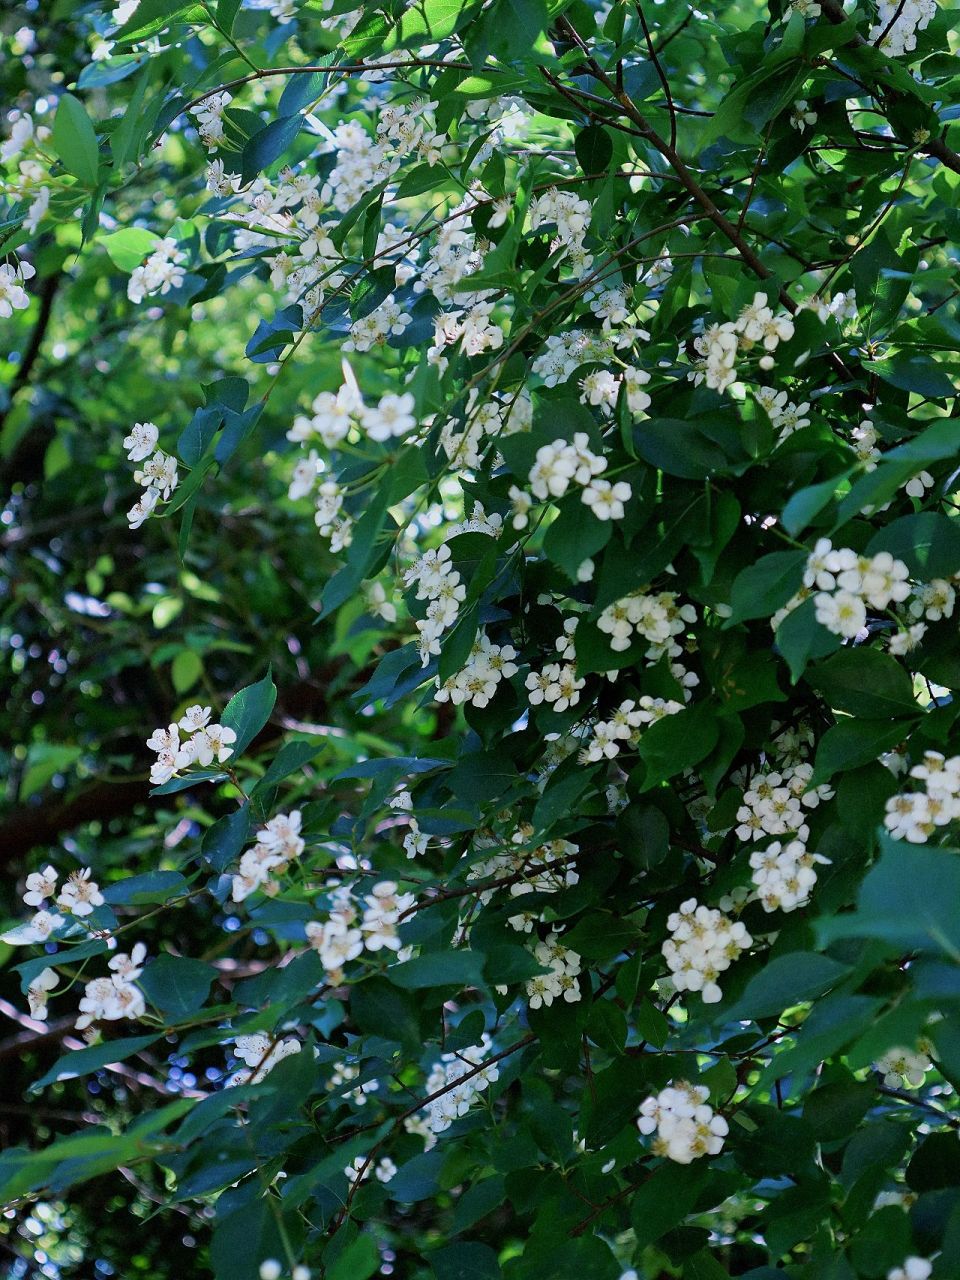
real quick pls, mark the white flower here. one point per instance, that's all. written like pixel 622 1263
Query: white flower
pixel 903 642
pixel 913 1268
pixel 686 1127
pixel 842 613
pixel 159 473
pixel 80 894
pixel 13 296
pixel 143 508
pixel 393 417
pixel 40 927
pixel 606 500
pixel 21 135
pixel 37 992
pixel 919 485
pixel 900 1066
pixel 213 743
pixel 801 116
pixel 194 719
pixel 40 886
pixel 141 441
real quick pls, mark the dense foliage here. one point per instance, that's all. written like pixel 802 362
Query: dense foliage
pixel 491 807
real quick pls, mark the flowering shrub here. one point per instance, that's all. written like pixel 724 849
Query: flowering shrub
pixel 542 569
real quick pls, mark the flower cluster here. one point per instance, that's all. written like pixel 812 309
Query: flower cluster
pixel 783 874
pixel 438 583
pixel 476 682
pixel 343 1074
pixel 703 943
pixel 564 353
pixel 30 186
pixel 720 345
pixel 261 1053
pixel 117 996
pixel 544 869
pixel 78 896
pixel 686 1126
pixel 457 1082
pixel 657 618
pixel 915 815
pixel 352 927
pixel 562 978
pixel 897 25
pixel 208 743
pixel 608 736
pixel 557 684
pixel 569 216
pixel 846 583
pixel 558 465
pixel 162 271
pixel 464 441
pixel 279 842
pixel 158 475
pixel 773 803
pixel 209 117
pixel 785 416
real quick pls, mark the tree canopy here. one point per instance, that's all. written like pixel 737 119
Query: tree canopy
pixel 478 612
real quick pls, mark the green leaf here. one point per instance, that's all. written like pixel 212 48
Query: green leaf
pixel 907 900
pixel 227 11
pixel 685 447
pixel 665 1199
pixel 676 743
pixel 82 1062
pixel 266 146
pixel 74 140
pixel 936 1163
pixel 575 535
pixel 465 1261
pixel 253 1232
pixel 800 637
pixel 358 1261
pixel 785 981
pixel 291 757
pixel 185 670
pixel 594 149
pixel 438 969
pixel 44 761
pixel 928 543
pixel 865 682
pixel 177 985
pixel 766 586
pixel 248 711
pixel 152 886
pixel 127 131
pixel 807 503
pixel 381 1009
pixel 129 247
pixel 835 1109
pixel 918 373
pixel 852 743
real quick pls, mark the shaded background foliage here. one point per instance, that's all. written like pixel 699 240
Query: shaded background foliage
pixel 104 631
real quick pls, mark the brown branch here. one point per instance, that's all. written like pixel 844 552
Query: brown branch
pixel 46 293
pixel 678 165
pixel 661 74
